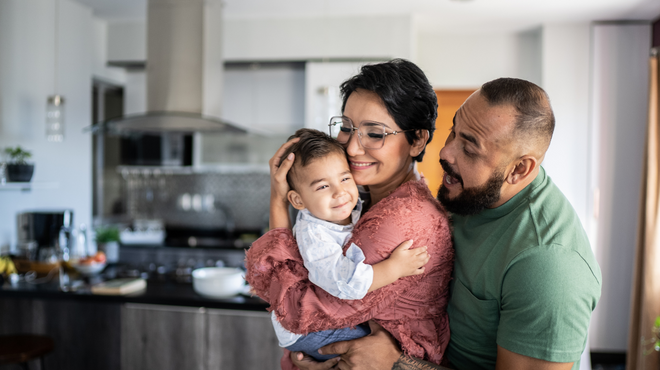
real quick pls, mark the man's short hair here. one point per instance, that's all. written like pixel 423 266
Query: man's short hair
pixel 535 122
pixel 406 93
pixel 313 144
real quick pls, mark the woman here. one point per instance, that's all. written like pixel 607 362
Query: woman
pixel 396 98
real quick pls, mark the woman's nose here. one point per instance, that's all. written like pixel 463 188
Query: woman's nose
pixel 353 147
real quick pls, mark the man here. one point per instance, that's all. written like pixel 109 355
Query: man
pixel 525 279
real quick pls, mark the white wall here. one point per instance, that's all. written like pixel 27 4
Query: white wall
pixel 453 61
pixel 265 97
pixel 466 61
pixel 619 116
pixel 135 92
pixel 294 39
pixel 566 80
pixel 322 96
pixel 100 50
pixel 26 75
pixel 127 40
pixel 317 38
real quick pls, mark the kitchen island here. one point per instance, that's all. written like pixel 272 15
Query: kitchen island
pixel 167 326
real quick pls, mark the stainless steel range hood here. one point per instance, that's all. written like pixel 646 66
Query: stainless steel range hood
pixel 184 71
pixel 162 122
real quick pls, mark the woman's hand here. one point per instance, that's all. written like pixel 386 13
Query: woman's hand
pixel 304 362
pixel 377 351
pixel 279 167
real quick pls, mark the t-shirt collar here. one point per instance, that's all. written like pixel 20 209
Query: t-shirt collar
pixel 517 199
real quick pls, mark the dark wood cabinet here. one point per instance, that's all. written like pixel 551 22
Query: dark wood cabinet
pixel 241 340
pixel 162 337
pixel 169 337
pixel 127 336
pixel 86 334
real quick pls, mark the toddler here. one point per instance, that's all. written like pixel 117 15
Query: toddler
pixel 324 192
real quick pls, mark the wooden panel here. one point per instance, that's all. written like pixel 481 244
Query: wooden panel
pixel 162 337
pixel 86 334
pixel 448 103
pixel 239 340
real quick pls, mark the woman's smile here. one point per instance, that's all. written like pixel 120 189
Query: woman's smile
pixel 361 165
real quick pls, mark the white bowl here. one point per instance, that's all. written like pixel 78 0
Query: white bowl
pixel 89 269
pixel 218 282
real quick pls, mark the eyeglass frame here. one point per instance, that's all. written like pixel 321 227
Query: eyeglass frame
pixel 353 129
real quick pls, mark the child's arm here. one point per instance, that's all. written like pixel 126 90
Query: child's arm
pixel 402 262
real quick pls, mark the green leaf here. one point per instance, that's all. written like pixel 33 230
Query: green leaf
pixel 657 322
pixel 107 234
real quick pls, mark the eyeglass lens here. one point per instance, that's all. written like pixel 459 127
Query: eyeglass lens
pixel 371 134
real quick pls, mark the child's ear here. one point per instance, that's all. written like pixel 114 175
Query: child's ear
pixel 295 199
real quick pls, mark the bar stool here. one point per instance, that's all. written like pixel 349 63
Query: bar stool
pixel 22 348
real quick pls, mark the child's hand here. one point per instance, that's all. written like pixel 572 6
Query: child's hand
pixel 406 261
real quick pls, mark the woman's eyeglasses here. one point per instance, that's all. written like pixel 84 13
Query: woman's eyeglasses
pixel 370 134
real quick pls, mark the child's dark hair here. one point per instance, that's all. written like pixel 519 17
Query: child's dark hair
pixel 313 144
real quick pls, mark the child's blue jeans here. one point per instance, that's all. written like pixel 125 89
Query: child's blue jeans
pixel 311 342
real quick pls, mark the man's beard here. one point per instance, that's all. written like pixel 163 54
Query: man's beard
pixel 473 200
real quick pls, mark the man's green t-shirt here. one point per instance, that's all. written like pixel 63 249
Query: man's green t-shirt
pixel 525 279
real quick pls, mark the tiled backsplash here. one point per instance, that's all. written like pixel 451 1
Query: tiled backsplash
pixel 200 200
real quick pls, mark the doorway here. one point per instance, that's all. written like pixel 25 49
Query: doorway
pixel 448 103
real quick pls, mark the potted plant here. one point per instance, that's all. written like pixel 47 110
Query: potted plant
pixel 655 339
pixel 107 241
pixel 18 169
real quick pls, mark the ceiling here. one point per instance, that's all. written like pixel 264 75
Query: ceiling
pixel 428 15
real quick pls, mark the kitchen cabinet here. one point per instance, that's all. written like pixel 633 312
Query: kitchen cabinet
pixel 162 337
pixel 241 340
pixel 85 333
pixel 169 337
pixel 106 332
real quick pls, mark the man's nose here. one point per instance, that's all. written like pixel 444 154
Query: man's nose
pixel 353 147
pixel 447 152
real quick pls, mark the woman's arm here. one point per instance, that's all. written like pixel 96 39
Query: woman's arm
pixel 279 205
pixel 276 272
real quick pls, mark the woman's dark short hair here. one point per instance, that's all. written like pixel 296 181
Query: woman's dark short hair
pixel 313 144
pixel 406 92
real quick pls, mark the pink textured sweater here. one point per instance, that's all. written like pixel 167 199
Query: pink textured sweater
pixel 412 309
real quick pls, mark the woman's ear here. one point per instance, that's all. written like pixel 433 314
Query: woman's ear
pixel 420 143
pixel 295 199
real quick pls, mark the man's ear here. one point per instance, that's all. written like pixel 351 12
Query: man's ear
pixel 295 199
pixel 420 143
pixel 524 168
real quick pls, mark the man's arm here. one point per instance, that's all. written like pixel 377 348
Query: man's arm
pixel 507 360
pixel 377 351
pixel 411 363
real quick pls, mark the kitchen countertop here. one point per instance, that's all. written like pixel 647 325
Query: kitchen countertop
pixel 157 292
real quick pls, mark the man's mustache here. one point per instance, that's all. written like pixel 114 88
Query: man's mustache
pixel 450 172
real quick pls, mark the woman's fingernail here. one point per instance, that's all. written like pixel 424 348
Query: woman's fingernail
pixel 290 156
